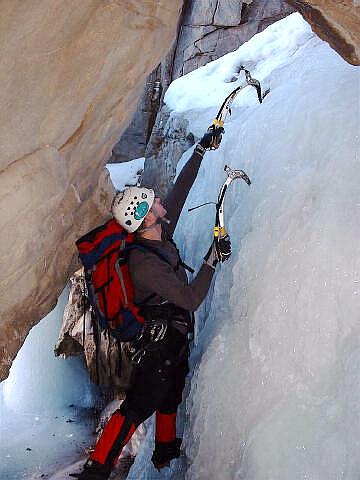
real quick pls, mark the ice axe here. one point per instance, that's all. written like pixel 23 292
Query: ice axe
pixel 225 109
pixel 219 229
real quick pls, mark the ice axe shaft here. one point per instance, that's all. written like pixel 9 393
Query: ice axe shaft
pixel 219 229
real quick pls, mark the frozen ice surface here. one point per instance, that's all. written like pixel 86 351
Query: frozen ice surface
pixel 275 393
pixel 262 55
pixel 45 405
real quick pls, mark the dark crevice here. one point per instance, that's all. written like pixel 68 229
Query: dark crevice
pixel 215 10
pixel 184 11
pixel 206 35
pixel 199 25
pixel 158 89
pixel 244 15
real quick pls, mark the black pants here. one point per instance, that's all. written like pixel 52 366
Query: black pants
pixel 157 386
pixel 158 381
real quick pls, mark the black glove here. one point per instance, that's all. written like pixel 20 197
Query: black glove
pixel 223 248
pixel 212 138
pixel 211 257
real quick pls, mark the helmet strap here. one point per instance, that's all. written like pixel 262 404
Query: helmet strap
pixel 146 229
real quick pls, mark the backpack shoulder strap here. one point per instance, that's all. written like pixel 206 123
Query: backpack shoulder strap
pixel 162 255
pixel 156 252
pixel 181 262
pixel 144 248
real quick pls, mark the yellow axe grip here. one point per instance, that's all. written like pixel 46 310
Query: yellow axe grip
pixel 218 123
pixel 219 231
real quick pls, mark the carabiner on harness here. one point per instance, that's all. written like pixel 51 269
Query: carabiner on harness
pixel 154 331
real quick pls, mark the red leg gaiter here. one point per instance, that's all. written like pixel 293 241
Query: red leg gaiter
pixel 114 437
pixel 165 427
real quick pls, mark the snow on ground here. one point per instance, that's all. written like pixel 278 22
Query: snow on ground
pixel 275 394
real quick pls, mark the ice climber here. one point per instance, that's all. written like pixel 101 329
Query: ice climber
pixel 167 301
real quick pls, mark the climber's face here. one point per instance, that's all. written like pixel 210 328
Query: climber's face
pixel 157 211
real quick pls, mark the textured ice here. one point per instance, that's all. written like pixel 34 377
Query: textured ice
pixel 275 393
pixel 45 419
pixel 262 54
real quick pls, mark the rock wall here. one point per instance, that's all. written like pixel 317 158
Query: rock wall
pixel 212 28
pixel 209 30
pixel 134 140
pixel 70 78
pixel 335 21
pixel 170 138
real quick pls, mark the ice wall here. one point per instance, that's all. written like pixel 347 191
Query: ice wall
pixel 275 394
pixel 45 416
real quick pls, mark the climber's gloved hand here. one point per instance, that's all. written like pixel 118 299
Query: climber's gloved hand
pixel 224 248
pixel 211 257
pixel 212 138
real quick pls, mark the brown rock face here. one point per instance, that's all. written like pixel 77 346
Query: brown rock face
pixel 335 21
pixel 208 30
pixel 70 76
pixel 212 28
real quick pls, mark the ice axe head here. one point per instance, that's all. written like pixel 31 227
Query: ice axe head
pixel 233 174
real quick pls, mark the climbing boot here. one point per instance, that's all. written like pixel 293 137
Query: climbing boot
pixel 165 452
pixel 93 471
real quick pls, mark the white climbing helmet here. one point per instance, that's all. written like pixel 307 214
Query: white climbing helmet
pixel 131 206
